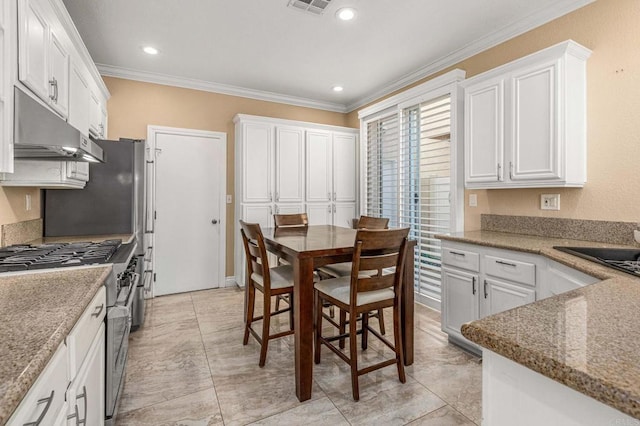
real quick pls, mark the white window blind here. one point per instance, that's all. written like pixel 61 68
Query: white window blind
pixel 409 180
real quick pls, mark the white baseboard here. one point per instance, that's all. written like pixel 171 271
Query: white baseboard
pixel 231 282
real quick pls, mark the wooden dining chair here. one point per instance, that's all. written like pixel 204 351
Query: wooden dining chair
pixel 337 270
pixel 383 251
pixel 295 220
pixel 270 281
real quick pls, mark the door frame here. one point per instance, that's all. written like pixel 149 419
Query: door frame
pixel 152 132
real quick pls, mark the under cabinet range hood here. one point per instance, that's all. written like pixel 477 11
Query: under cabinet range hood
pixel 41 135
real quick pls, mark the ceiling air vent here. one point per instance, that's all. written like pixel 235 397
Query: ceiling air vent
pixel 312 6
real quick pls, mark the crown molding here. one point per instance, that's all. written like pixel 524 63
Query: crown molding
pixel 560 8
pixel 225 89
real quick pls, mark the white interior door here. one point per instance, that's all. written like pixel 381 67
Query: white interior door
pixel 190 212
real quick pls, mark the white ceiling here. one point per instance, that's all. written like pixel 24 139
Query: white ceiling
pixel 266 50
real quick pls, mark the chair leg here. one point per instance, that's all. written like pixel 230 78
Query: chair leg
pixel 278 303
pixel 353 356
pixel 290 310
pixel 365 330
pixel 398 344
pixel 266 319
pixel 332 311
pixel 318 329
pixel 381 320
pixel 251 299
pixel 343 327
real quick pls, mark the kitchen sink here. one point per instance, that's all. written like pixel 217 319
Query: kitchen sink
pixel 623 259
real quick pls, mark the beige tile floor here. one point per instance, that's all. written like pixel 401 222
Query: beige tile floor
pixel 187 366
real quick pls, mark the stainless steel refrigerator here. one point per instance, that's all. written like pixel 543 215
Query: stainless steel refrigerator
pixel 112 202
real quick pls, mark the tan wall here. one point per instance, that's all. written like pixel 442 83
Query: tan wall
pixel 134 105
pixel 13 204
pixel 612 192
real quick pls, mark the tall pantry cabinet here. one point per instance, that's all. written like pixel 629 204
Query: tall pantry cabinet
pixel 285 167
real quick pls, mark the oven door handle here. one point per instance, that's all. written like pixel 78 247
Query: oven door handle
pixel 124 310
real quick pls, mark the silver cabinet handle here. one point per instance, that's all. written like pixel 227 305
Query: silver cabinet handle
pixel 54 84
pixel 502 262
pixel 75 414
pixel 456 253
pixel 277 196
pixel 270 210
pixel 334 208
pixel 48 400
pixel 473 284
pixel 98 310
pixel 499 172
pixel 270 196
pixel 85 397
pixel 485 289
pixel 334 196
pixel 510 170
pixel 329 211
pixel 329 196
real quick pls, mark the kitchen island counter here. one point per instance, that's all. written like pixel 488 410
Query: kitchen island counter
pixel 587 339
pixel 37 312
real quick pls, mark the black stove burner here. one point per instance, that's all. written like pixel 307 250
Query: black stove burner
pixel 22 257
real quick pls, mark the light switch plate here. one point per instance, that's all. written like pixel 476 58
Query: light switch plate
pixel 229 199
pixel 473 200
pixel 550 201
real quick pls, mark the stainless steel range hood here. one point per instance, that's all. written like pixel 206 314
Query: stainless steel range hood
pixel 42 135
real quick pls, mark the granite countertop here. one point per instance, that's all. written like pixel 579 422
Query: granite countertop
pixel 37 311
pixel 587 339
pixel 126 238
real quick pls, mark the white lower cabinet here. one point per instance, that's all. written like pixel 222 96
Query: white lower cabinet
pixel 337 214
pixel 86 397
pixel 478 281
pixel 59 396
pixel 46 398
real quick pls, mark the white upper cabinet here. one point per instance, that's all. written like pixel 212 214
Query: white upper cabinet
pixel 345 147
pixel 43 65
pixel 7 67
pixel 289 153
pixel 78 100
pixel 525 122
pixel 257 162
pixel 319 162
pixel 97 115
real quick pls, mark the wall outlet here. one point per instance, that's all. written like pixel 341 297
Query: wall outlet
pixel 27 202
pixel 550 201
pixel 636 236
pixel 473 200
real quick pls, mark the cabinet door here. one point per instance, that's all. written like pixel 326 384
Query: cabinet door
pixel 33 41
pixel 535 153
pixel 78 100
pixel 258 213
pixel 319 179
pixel 459 300
pixel 59 76
pixel 288 209
pixel 94 114
pixel 7 64
pixel 344 167
pixel 103 120
pixel 484 132
pixel 343 214
pixel 78 170
pixel 257 163
pixel 289 154
pixel 86 395
pixel 320 214
pixel 499 296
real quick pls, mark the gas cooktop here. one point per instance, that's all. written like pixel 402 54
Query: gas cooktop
pixel 622 259
pixel 56 255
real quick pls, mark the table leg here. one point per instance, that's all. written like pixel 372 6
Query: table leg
pixel 303 324
pixel 406 312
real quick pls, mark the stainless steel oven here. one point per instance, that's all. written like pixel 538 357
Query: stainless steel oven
pixel 119 319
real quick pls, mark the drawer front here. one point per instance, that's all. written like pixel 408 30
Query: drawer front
pixel 513 270
pixel 85 330
pixel 461 259
pixel 46 398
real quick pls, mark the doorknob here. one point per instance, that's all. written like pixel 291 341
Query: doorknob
pixel 214 221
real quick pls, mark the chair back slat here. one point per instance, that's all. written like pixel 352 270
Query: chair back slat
pixel 369 222
pixel 297 219
pixel 382 250
pixel 255 251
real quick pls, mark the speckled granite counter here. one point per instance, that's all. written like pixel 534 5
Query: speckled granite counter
pixel 587 339
pixel 37 311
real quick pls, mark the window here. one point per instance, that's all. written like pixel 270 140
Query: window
pixel 412 178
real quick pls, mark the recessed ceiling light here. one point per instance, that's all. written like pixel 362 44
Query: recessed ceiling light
pixel 346 13
pixel 338 88
pixel 150 50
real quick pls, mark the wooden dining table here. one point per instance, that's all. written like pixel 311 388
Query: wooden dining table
pixel 308 248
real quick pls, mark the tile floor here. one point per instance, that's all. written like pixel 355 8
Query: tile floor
pixel 187 366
